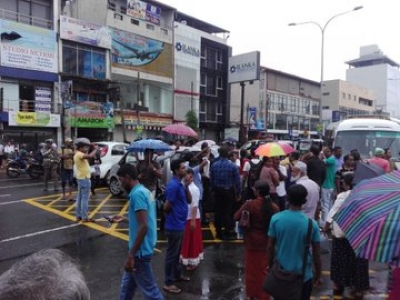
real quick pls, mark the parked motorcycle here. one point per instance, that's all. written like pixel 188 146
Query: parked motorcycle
pixel 33 168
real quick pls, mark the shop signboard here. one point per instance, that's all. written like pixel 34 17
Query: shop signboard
pixel 85 32
pixel 28 47
pixel 143 11
pixel 134 52
pixel 33 119
pixel 42 99
pixel 90 114
pixel 244 67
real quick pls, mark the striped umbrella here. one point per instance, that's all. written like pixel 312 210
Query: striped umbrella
pixel 370 218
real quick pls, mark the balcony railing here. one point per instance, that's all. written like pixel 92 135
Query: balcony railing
pixel 30 106
pixel 26 19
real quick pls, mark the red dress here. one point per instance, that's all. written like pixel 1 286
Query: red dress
pixel 255 245
pixel 192 245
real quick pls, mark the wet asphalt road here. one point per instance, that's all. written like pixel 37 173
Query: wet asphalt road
pixel 25 229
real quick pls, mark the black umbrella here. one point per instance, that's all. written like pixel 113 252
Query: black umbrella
pixel 366 170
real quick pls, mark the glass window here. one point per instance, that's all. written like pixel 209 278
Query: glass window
pixel 69 60
pixel 219 82
pixel 118 149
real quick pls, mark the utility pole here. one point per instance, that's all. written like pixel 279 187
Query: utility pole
pixel 122 106
pixel 138 105
pixel 242 138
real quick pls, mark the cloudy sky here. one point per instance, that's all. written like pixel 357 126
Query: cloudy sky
pixel 263 25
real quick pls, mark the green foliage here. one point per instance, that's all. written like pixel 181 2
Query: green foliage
pixel 191 119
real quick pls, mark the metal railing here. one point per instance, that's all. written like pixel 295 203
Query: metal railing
pixel 30 106
pixel 26 19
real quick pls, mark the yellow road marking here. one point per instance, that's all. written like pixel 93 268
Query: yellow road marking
pixel 121 213
pixel 98 207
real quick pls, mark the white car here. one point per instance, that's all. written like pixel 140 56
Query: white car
pixel 110 154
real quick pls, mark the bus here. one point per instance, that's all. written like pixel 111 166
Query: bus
pixel 367 133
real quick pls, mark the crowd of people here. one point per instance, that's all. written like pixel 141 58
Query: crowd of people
pixel 285 200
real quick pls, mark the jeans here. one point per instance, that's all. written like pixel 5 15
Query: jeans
pixel 82 199
pixel 326 204
pixel 173 269
pixel 142 278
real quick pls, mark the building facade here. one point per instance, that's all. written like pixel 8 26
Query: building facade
pixel 341 99
pixel 280 105
pixel 375 71
pixel 29 85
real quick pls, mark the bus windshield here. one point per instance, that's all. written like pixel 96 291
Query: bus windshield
pixel 366 141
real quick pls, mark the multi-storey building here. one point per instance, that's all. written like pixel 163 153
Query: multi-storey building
pixel 30 110
pixel 279 104
pixel 341 99
pixel 375 71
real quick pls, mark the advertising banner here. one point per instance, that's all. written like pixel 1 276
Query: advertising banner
pixel 42 99
pixel 89 114
pixel 252 118
pixel 143 11
pixel 134 52
pixel 28 47
pixel 33 119
pixel 244 67
pixel 85 32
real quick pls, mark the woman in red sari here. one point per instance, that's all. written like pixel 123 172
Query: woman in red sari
pixel 260 210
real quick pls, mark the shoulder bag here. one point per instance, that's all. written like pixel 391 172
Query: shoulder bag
pixel 285 285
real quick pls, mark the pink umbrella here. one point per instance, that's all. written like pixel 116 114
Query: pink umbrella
pixel 180 129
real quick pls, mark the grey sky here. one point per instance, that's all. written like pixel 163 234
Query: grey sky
pixel 263 25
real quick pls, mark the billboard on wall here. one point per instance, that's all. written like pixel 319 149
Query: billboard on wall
pixel 90 114
pixel 134 52
pixel 187 45
pixel 244 67
pixel 28 47
pixel 33 119
pixel 143 11
pixel 85 32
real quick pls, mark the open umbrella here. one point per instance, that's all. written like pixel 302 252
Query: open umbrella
pixel 366 170
pixel 370 218
pixel 180 129
pixel 142 145
pixel 274 149
pixel 209 142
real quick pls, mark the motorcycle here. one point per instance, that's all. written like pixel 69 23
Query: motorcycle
pixel 33 168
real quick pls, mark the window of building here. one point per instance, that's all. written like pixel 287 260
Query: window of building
pixel 150 26
pixel 85 61
pixel 118 16
pixel 135 22
pixel 344 95
pixel 111 5
pixel 220 83
pixel 355 98
pixel 325 94
pixel 349 96
pixel 211 89
pixel 123 10
pixel 165 31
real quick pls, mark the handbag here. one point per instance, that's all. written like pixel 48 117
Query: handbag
pixel 285 285
pixel 244 221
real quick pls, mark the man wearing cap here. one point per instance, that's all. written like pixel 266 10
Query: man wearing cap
pixel 299 174
pixel 379 160
pixel 66 168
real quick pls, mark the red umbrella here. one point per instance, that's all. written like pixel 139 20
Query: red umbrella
pixel 180 129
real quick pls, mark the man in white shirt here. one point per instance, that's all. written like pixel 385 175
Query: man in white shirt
pixel 247 180
pixel 9 149
pixel 281 189
pixel 299 174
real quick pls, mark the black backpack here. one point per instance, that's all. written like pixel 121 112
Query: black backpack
pixel 38 156
pixel 254 173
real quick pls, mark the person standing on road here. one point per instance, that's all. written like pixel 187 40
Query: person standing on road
pixel 315 166
pixel 225 181
pixel 176 209
pixel 9 149
pixel 388 157
pixel 50 164
pixel 260 211
pixel 83 178
pixel 149 171
pixel 328 185
pixel 287 241
pixel 142 238
pixel 66 168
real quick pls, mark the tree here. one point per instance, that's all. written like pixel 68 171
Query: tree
pixel 191 119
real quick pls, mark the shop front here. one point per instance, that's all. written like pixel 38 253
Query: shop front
pixel 143 125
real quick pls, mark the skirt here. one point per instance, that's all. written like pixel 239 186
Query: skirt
pixel 192 245
pixel 347 270
pixel 256 263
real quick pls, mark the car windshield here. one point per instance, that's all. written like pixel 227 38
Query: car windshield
pixel 366 141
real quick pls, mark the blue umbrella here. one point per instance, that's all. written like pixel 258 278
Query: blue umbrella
pixel 142 145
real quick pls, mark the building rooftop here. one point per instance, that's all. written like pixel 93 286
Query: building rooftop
pixel 372 59
pixel 198 24
pixel 290 75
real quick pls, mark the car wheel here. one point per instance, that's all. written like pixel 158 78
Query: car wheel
pixel 115 187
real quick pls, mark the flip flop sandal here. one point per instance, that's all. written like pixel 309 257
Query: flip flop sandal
pixel 172 289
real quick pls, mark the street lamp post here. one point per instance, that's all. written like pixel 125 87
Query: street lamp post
pixel 323 28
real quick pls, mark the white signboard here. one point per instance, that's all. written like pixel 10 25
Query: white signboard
pixel 43 99
pixel 244 67
pixel 85 32
pixel 28 47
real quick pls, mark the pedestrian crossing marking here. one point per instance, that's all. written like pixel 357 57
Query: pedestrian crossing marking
pixel 104 205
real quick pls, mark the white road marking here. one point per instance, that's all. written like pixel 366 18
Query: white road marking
pixel 38 233
pixel 11 202
pixel 5 195
pixel 21 185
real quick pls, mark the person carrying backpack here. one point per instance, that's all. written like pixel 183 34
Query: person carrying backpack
pixel 251 173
